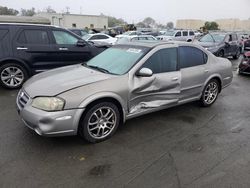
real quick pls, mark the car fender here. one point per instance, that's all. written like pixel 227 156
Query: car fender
pixel 101 95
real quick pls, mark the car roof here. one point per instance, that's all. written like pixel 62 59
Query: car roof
pixel 153 44
pixel 26 24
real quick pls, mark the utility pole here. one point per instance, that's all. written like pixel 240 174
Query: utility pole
pixel 67 10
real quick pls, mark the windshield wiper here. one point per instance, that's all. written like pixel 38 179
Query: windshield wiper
pixel 96 68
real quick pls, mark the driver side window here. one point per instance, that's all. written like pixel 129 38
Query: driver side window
pixel 62 37
pixel 164 60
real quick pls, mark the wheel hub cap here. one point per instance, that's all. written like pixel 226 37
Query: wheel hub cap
pixel 101 122
pixel 12 76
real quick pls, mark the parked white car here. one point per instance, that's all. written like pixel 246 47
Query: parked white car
pixel 100 37
pixel 178 35
pixel 136 38
pixel 129 33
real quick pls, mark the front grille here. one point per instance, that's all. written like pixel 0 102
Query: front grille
pixel 22 98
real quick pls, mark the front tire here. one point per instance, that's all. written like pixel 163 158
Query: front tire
pixel 210 93
pixel 12 75
pixel 100 122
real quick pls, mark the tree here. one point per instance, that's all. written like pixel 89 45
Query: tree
pixel 112 21
pixel 8 11
pixel 211 26
pixel 170 25
pixel 141 25
pixel 149 21
pixel 48 9
pixel 28 12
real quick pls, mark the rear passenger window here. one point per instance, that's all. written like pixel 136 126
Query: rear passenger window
pixel 191 56
pixel 36 37
pixel 164 60
pixel 185 33
pixel 191 33
pixel 3 32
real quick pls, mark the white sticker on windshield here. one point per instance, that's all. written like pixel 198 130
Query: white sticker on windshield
pixel 134 50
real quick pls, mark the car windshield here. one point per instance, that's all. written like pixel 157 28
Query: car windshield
pixel 169 33
pixel 117 60
pixel 213 38
pixel 86 37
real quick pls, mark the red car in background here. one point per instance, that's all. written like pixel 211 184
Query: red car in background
pixel 244 66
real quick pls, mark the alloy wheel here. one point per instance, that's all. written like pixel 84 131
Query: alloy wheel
pixel 101 122
pixel 211 92
pixel 12 76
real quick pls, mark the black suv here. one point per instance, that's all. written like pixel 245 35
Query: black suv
pixel 222 44
pixel 27 49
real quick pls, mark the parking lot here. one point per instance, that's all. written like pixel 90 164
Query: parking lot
pixel 185 146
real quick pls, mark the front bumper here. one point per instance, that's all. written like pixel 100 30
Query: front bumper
pixel 60 123
pixel 244 68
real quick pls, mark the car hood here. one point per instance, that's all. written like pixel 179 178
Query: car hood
pixel 208 44
pixel 56 81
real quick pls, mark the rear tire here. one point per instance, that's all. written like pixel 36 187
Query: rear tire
pixel 100 122
pixel 12 75
pixel 210 93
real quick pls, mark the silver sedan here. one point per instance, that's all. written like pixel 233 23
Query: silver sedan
pixel 125 81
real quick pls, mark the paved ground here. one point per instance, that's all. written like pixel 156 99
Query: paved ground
pixel 186 146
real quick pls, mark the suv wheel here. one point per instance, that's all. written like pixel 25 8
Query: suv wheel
pixel 12 75
pixel 100 122
pixel 210 93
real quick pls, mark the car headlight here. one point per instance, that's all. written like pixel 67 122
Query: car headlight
pixel 245 62
pixel 48 103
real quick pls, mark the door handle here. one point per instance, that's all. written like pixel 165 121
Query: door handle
pixel 206 70
pixel 22 48
pixel 175 79
pixel 63 49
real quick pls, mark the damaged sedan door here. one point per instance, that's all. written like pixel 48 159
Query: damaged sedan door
pixel 156 84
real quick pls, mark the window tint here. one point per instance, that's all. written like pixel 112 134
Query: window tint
pixel 98 37
pixel 62 37
pixel 185 33
pixel 142 38
pixel 102 37
pixel 164 60
pixel 150 38
pixel 21 39
pixel 178 34
pixel 3 32
pixel 33 37
pixel 135 39
pixel 191 33
pixel 191 56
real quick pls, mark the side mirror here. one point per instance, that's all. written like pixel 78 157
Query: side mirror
pixel 81 43
pixel 144 72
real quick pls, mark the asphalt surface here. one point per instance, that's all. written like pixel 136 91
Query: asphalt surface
pixel 186 146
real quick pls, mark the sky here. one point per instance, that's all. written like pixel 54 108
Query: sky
pixel 133 11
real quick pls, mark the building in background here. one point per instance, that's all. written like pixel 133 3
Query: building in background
pixel 224 24
pixel 24 19
pixel 75 20
pixel 189 24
